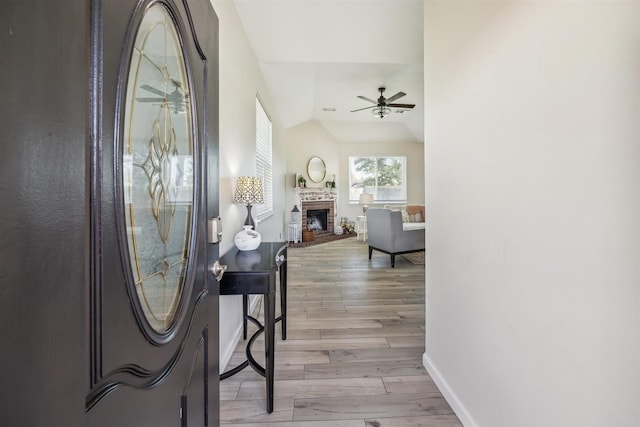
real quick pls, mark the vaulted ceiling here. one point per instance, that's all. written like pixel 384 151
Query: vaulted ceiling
pixel 321 54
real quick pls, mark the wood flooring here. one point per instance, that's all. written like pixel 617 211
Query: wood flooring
pixel 353 354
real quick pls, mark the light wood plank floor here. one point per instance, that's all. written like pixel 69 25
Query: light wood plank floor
pixel 353 354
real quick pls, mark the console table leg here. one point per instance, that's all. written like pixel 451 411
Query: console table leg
pixel 283 299
pixel 269 344
pixel 245 312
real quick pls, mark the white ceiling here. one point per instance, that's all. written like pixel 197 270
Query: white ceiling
pixel 324 53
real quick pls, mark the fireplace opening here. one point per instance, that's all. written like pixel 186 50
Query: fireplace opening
pixel 323 212
pixel 317 219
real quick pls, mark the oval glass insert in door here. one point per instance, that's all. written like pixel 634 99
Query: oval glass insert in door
pixel 158 169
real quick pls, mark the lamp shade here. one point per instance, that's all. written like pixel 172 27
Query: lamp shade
pixel 248 190
pixel 365 199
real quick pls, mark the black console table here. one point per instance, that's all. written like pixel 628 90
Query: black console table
pixel 255 272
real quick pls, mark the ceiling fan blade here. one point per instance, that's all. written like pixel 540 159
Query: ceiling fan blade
pixel 368 99
pixel 401 105
pixel 150 99
pixel 365 108
pixel 394 97
pixel 154 90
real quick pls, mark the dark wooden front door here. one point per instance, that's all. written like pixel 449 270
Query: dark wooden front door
pixel 108 310
pixel 153 314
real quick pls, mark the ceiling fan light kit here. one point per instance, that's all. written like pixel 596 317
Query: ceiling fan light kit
pixel 383 106
pixel 381 112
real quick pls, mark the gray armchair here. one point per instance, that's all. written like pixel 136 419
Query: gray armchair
pixel 386 234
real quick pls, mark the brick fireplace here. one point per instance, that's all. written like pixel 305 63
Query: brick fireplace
pixel 316 206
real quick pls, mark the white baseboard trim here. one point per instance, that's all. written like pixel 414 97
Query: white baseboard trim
pixel 227 350
pixel 448 393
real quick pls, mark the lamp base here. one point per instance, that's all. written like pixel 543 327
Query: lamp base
pixel 247 239
pixel 249 221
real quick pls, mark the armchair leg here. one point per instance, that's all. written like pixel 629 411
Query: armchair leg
pixel 393 260
pixel 370 251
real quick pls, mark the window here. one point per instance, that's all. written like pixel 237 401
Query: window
pixel 264 161
pixel 384 177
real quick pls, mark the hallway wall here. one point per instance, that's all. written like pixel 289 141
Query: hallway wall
pixel 240 82
pixel 532 150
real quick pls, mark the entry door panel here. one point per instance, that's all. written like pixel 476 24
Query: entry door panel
pixel 153 313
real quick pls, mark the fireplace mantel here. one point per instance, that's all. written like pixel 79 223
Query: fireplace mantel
pixel 305 194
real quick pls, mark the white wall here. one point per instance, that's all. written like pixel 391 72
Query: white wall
pixel 240 81
pixel 312 139
pixel 302 142
pixel 533 199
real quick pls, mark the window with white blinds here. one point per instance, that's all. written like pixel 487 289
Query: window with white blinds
pixel 264 161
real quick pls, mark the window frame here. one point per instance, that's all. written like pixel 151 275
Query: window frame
pixel 264 160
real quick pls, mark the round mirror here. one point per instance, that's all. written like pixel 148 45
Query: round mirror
pixel 316 169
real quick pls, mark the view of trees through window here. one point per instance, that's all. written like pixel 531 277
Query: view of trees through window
pixel 384 177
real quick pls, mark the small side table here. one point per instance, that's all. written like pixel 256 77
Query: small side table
pixel 361 227
pixel 294 232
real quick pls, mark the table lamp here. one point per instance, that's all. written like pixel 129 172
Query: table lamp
pixel 365 199
pixel 249 192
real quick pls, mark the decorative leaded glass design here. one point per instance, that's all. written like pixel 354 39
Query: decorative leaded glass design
pixel 158 173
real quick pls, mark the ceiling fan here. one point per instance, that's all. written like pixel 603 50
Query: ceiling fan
pixel 383 106
pixel 174 98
